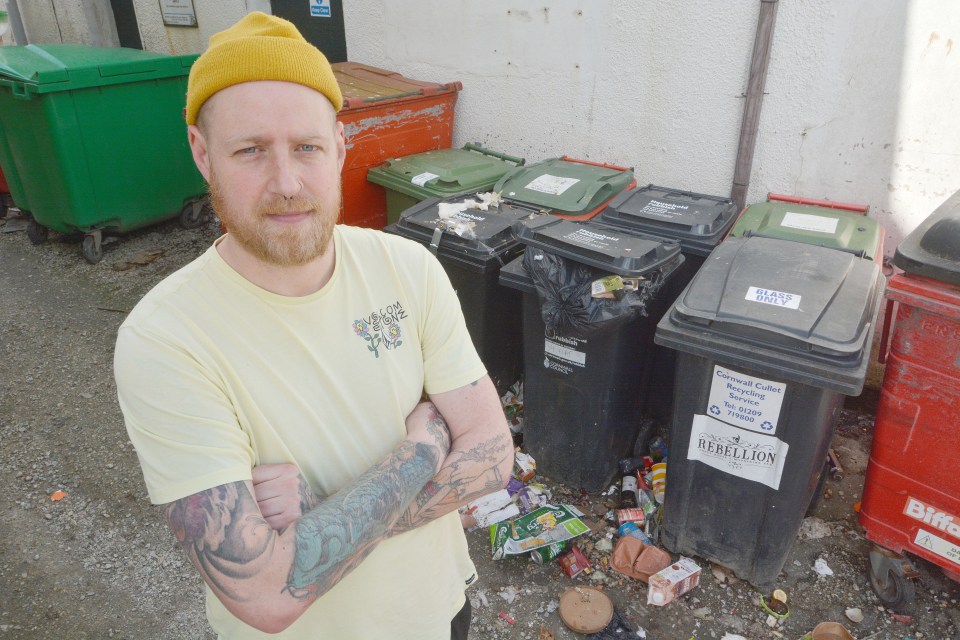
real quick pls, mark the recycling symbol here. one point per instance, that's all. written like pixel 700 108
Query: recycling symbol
pixel 714 409
pixel 767 425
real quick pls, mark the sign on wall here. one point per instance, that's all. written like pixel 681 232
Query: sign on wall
pixel 320 8
pixel 178 13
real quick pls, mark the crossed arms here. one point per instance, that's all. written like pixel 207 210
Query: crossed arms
pixel 267 565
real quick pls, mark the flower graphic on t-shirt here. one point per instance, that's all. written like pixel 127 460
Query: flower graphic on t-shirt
pixel 381 328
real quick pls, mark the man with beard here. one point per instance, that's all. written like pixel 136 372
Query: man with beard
pixel 297 344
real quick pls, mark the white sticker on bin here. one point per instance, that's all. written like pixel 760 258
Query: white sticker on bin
pixel 751 456
pixel 775 298
pixel 423 178
pixel 565 353
pixel 554 185
pixel 745 401
pixel 936 544
pixel 809 222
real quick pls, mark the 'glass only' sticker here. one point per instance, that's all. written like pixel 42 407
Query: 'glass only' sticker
pixel 776 298
pixel 751 456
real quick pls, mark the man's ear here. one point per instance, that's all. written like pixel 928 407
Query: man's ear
pixel 198 147
pixel 341 145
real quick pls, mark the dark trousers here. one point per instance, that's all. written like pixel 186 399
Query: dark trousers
pixel 460 625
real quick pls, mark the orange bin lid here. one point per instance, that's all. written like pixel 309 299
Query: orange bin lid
pixel 364 86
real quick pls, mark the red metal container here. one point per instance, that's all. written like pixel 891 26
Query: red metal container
pixel 4 187
pixel 911 499
pixel 384 116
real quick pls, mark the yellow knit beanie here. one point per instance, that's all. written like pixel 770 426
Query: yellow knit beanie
pixel 258 47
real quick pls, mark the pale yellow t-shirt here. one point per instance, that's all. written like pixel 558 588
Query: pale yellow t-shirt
pixel 216 375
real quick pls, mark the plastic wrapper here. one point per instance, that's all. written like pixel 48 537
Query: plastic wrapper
pixel 567 301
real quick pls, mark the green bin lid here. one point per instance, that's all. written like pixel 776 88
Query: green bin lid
pixel 779 307
pixel 47 68
pixel 564 186
pixel 616 250
pixel 932 249
pixel 443 172
pixel 823 226
pixel 699 222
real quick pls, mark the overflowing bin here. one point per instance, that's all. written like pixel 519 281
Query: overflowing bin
pixel 826 223
pixel 94 139
pixel 386 115
pixel 911 498
pixel 585 356
pixel 566 187
pixel 472 244
pixel 698 222
pixel 443 173
pixel 771 334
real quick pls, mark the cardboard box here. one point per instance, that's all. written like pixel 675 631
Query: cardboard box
pixel 672 582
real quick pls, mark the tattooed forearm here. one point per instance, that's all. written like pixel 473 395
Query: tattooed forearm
pixel 328 537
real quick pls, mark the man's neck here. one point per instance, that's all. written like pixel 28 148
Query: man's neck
pixel 292 281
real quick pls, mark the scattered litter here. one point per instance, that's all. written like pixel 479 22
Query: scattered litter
pixel 619 627
pixel 14 224
pixel 585 609
pixel 546 634
pixel 574 562
pixel 536 529
pixel 672 582
pixel 821 567
pixel 604 545
pixel 524 467
pixel 854 614
pixel 732 636
pixel 723 574
pixel 508 593
pixel 901 617
pixel 776 607
pixel 492 508
pixel 829 631
pixel 57 496
pixel 507 618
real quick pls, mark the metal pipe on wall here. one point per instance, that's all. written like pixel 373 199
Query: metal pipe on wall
pixel 754 100
pixel 16 22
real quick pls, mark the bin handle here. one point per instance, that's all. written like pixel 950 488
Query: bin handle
pixel 860 253
pixel 474 146
pixel 830 204
pixel 20 91
pixel 597 164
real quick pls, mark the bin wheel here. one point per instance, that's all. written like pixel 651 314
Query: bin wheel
pixel 194 214
pixel 36 232
pixel 91 248
pixel 891 578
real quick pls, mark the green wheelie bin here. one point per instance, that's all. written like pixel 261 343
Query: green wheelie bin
pixel 93 140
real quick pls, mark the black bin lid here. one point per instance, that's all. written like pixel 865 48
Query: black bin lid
pixel 473 237
pixel 698 221
pixel 616 250
pixel 782 308
pixel 932 249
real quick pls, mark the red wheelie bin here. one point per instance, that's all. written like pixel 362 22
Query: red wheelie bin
pixel 911 498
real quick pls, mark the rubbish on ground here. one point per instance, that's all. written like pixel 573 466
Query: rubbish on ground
pixel 618 628
pixel 659 481
pixel 629 498
pixel 507 618
pixel 546 634
pixel 585 609
pixel 514 485
pixel 634 531
pixel 57 496
pixel 901 617
pixel 531 497
pixel 624 516
pixel 636 559
pixel 821 567
pixel 658 449
pixel 732 636
pixel 547 553
pixel 512 403
pixel 836 470
pixel 723 574
pixel 508 593
pixel 574 562
pixel 492 508
pixel 829 631
pixel 524 467
pixel 776 607
pixel 814 528
pixel 536 529
pixel 672 582
pixel 854 614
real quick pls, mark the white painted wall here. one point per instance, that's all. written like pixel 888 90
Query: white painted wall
pixel 860 105
pixel 87 22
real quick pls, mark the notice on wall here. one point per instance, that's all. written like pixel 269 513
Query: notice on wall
pixel 178 13
pixel 320 8
pixel 809 222
pixel 745 401
pixel 751 456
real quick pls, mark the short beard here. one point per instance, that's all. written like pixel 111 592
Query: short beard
pixel 280 247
